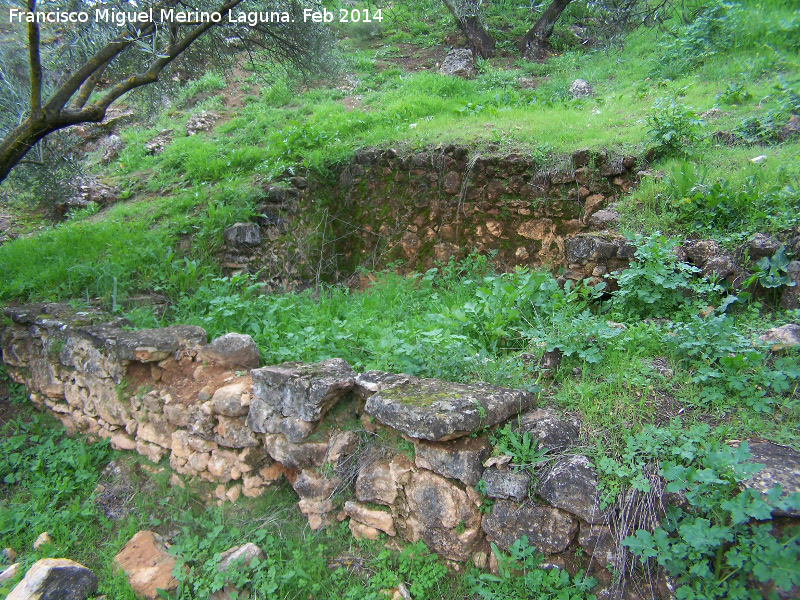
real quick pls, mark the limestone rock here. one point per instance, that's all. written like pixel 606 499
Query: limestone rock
pixel 148 566
pixel 437 410
pixel 378 519
pixel 9 573
pixel 295 456
pixel 297 390
pixel 598 541
pixel 555 431
pixel 369 383
pixel 458 63
pixel 781 467
pixel 571 484
pixel 153 345
pixel 202 121
pixel 232 350
pixel 550 530
pixel 442 515
pixel 580 88
pixel 232 400
pixel 239 556
pixel 460 459
pixel 362 532
pixel 55 579
pixel 782 338
pixel 313 486
pixel 159 143
pixel 507 485
pixel 604 218
pixel 233 432
pixel 295 430
pixel 242 236
pixel 43 540
pixel 761 245
pixel 341 447
pixel 379 481
pixel 222 464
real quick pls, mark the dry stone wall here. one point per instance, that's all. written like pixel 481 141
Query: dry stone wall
pixel 408 452
pixel 443 202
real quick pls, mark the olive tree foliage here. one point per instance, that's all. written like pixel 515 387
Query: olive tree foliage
pixel 68 74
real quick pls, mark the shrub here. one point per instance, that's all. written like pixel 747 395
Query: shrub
pixel 673 128
pixel 657 284
pixel 722 541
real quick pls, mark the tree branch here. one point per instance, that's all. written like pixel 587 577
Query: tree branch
pixel 151 75
pixel 35 62
pixel 88 86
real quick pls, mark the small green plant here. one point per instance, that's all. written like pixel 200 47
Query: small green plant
pixel 673 128
pixel 771 272
pixel 734 93
pixel 521 576
pixel 523 449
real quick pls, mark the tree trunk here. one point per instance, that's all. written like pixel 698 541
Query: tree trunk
pixel 479 40
pixel 535 44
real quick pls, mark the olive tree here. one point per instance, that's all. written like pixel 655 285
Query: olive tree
pixel 67 74
pixel 467 14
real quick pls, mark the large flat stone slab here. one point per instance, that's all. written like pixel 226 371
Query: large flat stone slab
pixel 296 391
pixel 435 410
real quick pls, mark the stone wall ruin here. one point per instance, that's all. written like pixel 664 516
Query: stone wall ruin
pixel 411 451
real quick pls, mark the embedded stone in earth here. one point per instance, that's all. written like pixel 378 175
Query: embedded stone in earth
pixel 458 63
pixel 761 245
pixel 571 484
pixel 436 410
pixel 302 391
pixel 580 88
pixel 148 566
pixel 232 350
pixel 242 235
pixel 782 338
pixel 599 542
pixel 460 459
pixel 790 298
pixel 55 578
pixel 550 530
pixel 239 554
pixel 781 467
